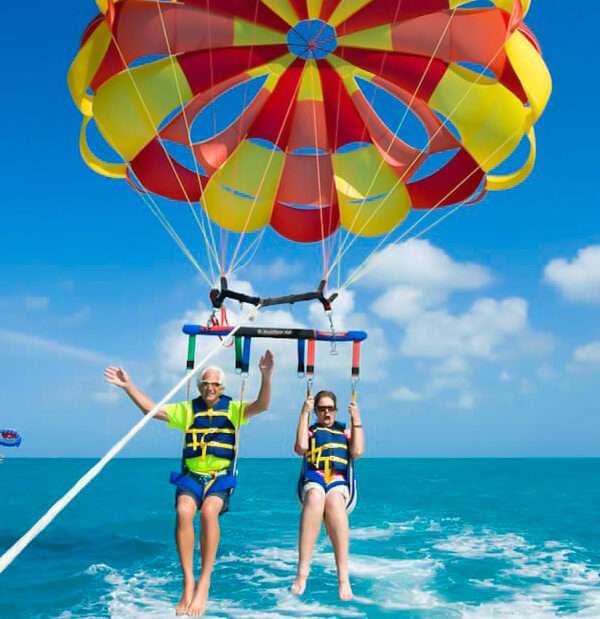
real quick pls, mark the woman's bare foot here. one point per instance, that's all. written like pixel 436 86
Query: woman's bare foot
pixel 299 585
pixel 185 599
pixel 198 603
pixel 345 590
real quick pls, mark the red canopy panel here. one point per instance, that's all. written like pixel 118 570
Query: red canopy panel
pixel 305 226
pixel 159 173
pixel 456 182
pixel 343 120
pixel 213 153
pixel 300 8
pixel 275 120
pixel 307 180
pixel 224 63
pixel 380 12
pixel 414 74
pixel 251 10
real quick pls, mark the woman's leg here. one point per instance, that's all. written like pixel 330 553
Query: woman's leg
pixel 336 520
pixel 310 526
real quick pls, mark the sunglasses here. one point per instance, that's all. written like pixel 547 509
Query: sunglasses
pixel 326 409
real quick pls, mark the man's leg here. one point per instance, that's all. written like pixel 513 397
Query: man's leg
pixel 184 537
pixel 336 519
pixel 310 526
pixel 210 534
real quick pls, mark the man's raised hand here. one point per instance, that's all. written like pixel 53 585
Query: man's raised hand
pixel 266 363
pixel 117 376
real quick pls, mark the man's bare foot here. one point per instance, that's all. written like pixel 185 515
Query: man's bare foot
pixel 185 599
pixel 345 590
pixel 299 585
pixel 198 603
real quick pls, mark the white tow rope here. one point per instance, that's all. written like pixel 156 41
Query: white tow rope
pixel 13 552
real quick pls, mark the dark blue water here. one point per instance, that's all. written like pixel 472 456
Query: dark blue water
pixel 431 538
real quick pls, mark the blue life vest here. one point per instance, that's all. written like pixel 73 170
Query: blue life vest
pixel 329 452
pixel 210 433
pixel 328 448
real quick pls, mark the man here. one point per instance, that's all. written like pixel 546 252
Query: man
pixel 211 423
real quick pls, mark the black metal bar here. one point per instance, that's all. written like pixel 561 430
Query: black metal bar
pixel 218 296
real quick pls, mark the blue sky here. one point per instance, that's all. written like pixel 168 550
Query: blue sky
pixel 512 285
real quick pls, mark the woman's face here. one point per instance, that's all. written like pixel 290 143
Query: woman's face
pixel 326 411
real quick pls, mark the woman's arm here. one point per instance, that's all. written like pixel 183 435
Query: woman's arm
pixel 301 445
pixel 357 434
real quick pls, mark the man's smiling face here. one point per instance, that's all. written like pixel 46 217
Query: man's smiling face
pixel 211 386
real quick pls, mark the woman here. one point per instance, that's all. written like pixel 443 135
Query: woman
pixel 326 487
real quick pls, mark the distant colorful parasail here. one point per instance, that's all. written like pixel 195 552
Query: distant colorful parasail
pixel 309 151
pixel 9 438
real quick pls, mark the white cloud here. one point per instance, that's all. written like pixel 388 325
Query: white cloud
pixel 588 354
pixel 577 279
pixel 27 343
pixel 455 391
pixel 420 264
pixel 418 276
pixel 405 394
pixel 402 303
pixel 479 332
pixel 36 303
pixel 504 377
pixel 452 365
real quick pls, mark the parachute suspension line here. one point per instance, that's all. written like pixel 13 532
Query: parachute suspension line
pixel 154 208
pixel 406 110
pixel 402 121
pixel 11 554
pixel 318 170
pixel 251 249
pixel 210 245
pixel 224 233
pixel 335 241
pixel 424 149
pixel 232 264
pixel 150 120
pixel 366 267
pixel 264 174
pixel 333 344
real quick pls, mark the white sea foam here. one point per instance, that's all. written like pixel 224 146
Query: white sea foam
pixel 488 544
pixel 366 533
pixel 518 608
pixel 551 572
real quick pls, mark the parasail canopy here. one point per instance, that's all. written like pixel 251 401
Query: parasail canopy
pixel 324 91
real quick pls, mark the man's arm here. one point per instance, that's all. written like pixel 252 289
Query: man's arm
pixel 263 399
pixel 120 378
pixel 357 434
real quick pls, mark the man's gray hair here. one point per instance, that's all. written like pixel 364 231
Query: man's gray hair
pixel 212 368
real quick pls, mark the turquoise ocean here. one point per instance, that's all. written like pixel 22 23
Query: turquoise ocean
pixel 430 538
